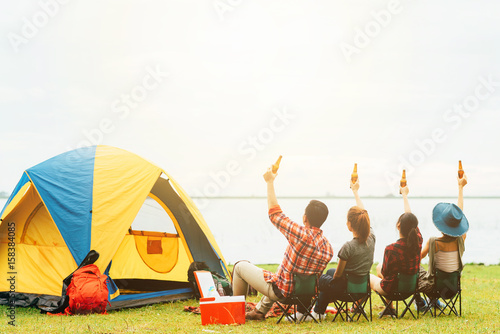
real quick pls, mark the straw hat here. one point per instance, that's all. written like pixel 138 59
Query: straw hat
pixel 450 219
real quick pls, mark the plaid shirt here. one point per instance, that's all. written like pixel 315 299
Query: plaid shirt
pixel 397 259
pixel 308 251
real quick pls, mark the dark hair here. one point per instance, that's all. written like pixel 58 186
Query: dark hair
pixel 316 213
pixel 360 222
pixel 408 224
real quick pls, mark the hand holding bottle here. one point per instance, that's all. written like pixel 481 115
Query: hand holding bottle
pixel 402 183
pixel 354 175
pixel 355 186
pixel 276 165
pixel 460 169
pixel 462 181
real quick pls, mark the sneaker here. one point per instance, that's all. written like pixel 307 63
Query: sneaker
pixel 420 305
pixel 316 316
pixel 440 304
pixel 255 315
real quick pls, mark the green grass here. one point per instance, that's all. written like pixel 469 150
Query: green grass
pixel 480 314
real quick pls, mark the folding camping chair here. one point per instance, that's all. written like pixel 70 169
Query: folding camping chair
pixel 358 289
pixel 406 288
pixel 304 294
pixel 447 288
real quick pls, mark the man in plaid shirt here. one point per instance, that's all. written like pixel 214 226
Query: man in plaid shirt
pixel 308 252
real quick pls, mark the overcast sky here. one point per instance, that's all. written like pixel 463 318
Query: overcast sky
pixel 214 91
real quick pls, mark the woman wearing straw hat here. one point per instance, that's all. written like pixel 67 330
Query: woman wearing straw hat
pixel 445 252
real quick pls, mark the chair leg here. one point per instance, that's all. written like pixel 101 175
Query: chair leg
pixel 408 308
pixel 387 307
pixel 285 313
pixel 431 306
pixel 338 312
pixel 369 299
pixel 459 299
pixel 341 307
pixel 293 317
pixel 360 307
pixel 446 306
pixel 451 305
pixel 460 302
pixel 281 317
pixel 429 301
pixel 346 309
pixel 308 309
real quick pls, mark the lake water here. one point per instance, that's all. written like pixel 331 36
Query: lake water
pixel 243 231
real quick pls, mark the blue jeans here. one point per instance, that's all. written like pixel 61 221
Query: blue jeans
pixel 328 290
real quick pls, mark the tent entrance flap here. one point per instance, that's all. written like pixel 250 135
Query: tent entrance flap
pixel 195 239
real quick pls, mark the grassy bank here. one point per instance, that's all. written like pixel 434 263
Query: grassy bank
pixel 480 314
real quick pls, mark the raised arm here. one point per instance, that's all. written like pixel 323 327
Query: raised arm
pixel 404 192
pixel 355 188
pixel 269 177
pixel 461 184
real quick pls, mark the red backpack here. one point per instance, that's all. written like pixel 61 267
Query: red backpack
pixel 88 291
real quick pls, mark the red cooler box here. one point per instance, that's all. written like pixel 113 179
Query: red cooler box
pixel 222 310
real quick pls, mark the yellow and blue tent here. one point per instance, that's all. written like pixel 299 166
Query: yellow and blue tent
pixel 145 227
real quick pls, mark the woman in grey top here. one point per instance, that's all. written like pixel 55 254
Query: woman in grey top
pixel 355 256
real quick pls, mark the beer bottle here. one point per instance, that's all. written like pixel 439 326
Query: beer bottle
pixel 354 175
pixel 402 183
pixel 460 169
pixel 276 165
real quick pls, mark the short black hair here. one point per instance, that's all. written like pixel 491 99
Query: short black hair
pixel 316 213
